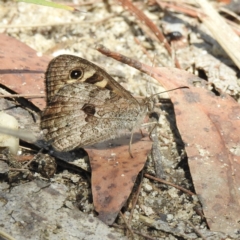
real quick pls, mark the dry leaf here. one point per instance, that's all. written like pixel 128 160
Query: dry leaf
pixel 209 126
pixel 21 69
pixel 114 172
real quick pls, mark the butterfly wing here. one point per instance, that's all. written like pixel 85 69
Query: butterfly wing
pixel 68 69
pixel 82 114
pixel 85 105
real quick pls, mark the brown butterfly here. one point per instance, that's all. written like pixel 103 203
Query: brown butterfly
pixel 85 105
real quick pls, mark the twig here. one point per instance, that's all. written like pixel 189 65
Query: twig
pixel 119 57
pixel 196 230
pixel 229 12
pixel 183 8
pixel 169 183
pixel 143 49
pixel 222 32
pixel 144 235
pixel 128 226
pixel 5 236
pixel 235 27
pixel 135 199
pixel 22 95
pixel 34 158
pixel 142 17
pixel 18 169
pixel 136 232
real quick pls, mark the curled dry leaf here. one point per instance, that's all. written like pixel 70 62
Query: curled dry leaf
pixel 114 172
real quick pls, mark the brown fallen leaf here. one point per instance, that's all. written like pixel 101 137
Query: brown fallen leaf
pixel 114 172
pixel 209 126
pixel 21 69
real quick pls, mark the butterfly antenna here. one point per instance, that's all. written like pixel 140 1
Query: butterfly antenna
pixel 170 90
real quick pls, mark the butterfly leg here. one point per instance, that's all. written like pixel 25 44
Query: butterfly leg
pixel 150 123
pixel 141 132
pixel 130 145
pixel 152 130
pixel 156 152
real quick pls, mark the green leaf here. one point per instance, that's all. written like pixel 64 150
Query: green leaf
pixel 48 4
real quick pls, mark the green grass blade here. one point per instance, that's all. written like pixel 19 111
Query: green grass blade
pixel 48 4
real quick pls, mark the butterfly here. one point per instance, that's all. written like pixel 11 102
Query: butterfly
pixel 85 105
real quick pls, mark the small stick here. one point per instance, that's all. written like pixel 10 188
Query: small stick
pixel 180 7
pixel 229 12
pixel 142 17
pixel 143 49
pixel 4 235
pixel 128 226
pixel 119 57
pixel 221 31
pixel 136 198
pixel 34 158
pixel 22 95
pixel 144 235
pixel 169 183
pixel 136 232
pixel 18 169
pixel 196 230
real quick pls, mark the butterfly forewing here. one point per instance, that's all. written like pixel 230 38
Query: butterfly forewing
pixel 59 71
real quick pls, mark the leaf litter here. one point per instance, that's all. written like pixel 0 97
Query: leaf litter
pixel 211 142
pixel 155 200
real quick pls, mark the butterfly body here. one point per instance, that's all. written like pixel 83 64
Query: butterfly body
pixel 85 105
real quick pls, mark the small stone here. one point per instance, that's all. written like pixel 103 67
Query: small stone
pixel 169 217
pixel 8 121
pixel 147 210
pixel 75 178
pixel 148 187
pixel 69 205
